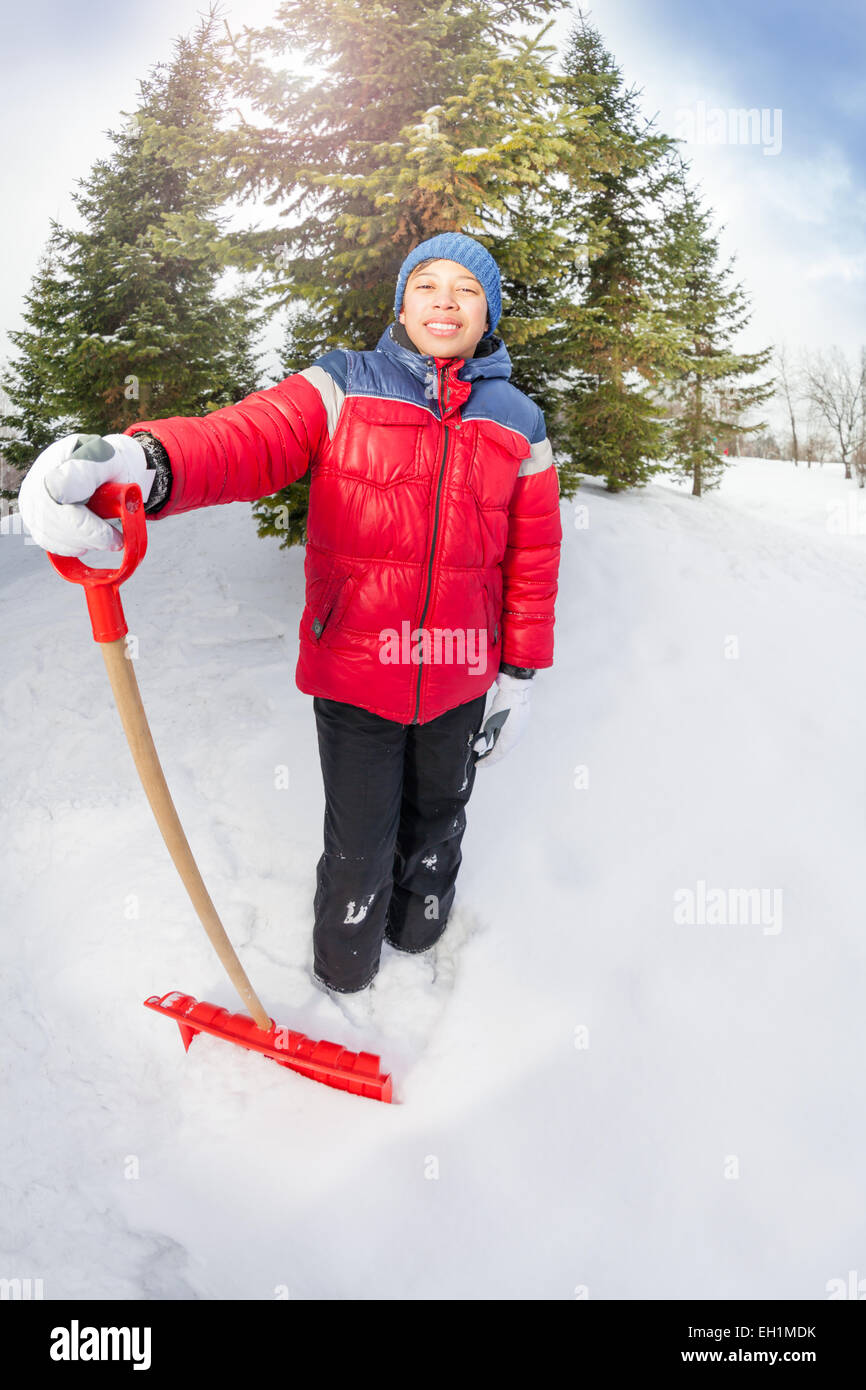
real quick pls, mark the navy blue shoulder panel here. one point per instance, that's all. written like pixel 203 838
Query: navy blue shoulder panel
pixel 377 374
pixel 334 363
pixel 495 399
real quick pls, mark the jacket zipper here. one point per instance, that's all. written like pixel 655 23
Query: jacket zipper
pixel 432 551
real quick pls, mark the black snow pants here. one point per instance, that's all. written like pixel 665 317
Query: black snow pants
pixel 395 798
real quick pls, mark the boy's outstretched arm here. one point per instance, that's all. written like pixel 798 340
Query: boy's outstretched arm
pixel 240 452
pixel 530 568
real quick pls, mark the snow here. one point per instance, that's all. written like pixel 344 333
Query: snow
pixel 591 1092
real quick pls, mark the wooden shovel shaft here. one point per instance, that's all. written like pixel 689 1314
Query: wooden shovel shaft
pixel 131 710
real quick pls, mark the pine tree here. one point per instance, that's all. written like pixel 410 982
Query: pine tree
pixel 30 414
pixel 707 391
pixel 123 319
pixel 621 342
pixel 426 117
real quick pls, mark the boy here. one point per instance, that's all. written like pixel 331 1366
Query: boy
pixel 431 570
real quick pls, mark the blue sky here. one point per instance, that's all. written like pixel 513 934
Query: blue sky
pixel 795 219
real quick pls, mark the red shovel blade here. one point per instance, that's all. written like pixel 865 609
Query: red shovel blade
pixel 357 1072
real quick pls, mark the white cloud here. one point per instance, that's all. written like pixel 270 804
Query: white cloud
pixel 839 267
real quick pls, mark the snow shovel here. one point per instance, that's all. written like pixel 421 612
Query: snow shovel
pixel 358 1072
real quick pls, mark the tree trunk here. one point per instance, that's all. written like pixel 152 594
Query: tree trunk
pixel 696 469
pixel 794 438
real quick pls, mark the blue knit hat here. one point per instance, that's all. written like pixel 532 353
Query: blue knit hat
pixel 466 251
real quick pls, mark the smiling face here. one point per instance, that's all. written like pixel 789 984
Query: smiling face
pixel 444 310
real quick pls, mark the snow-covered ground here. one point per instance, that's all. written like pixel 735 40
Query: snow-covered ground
pixel 610 1089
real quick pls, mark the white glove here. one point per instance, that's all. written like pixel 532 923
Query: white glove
pixel 506 719
pixel 65 476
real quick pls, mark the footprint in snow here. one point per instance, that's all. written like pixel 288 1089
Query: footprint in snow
pixel 397 1014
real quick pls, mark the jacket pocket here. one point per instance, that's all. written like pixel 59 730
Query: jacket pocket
pixel 495 464
pixel 380 441
pixel 326 602
pixel 493 597
pixel 493 614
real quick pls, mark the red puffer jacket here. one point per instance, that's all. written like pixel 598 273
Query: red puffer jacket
pixel 434 526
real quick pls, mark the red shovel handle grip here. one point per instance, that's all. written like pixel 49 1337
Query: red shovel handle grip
pixel 101 585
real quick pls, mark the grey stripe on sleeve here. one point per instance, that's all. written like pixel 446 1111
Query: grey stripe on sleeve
pixel 541 457
pixel 332 396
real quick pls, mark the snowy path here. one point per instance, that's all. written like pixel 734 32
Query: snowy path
pixel 597 1072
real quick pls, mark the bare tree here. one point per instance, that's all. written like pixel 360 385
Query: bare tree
pixel 788 383
pixel 817 444
pixel 836 391
pixel 817 447
pixel 859 454
pixel 765 446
